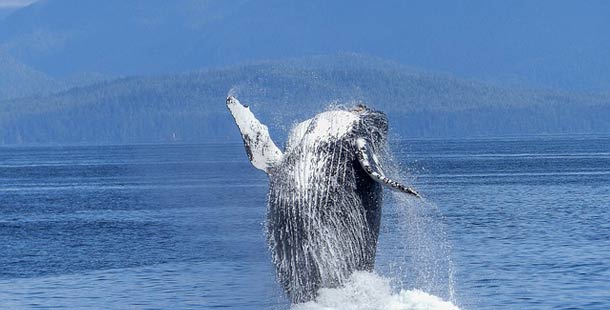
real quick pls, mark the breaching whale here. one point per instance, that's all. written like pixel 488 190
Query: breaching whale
pixel 325 194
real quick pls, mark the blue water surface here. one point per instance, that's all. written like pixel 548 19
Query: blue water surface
pixel 181 226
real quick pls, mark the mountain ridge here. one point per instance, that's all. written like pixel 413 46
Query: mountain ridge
pixel 522 43
pixel 189 107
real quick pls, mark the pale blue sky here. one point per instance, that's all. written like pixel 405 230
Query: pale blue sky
pixel 14 3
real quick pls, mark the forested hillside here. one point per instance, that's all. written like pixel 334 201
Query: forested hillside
pixel 190 107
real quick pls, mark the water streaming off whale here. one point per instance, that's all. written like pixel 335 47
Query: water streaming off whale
pixel 325 195
pixel 415 266
pixel 314 222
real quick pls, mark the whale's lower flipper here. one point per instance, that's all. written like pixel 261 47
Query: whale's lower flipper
pixel 369 162
pixel 262 152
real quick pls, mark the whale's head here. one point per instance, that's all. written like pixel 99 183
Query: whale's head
pixel 372 124
pixel 339 124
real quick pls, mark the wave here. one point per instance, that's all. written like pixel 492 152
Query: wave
pixel 366 290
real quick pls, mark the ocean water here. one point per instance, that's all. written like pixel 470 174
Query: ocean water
pixel 518 223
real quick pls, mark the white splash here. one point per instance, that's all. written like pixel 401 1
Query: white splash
pixel 369 291
pixel 317 230
pixel 422 254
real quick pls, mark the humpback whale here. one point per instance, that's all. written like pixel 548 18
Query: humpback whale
pixel 325 194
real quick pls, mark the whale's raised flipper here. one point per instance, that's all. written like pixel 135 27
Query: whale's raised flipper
pixel 369 162
pixel 262 152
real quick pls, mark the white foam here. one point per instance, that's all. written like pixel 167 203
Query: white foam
pixel 366 290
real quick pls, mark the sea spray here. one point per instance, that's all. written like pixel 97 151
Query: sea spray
pixel 421 252
pixel 419 259
pixel 424 247
pixel 369 291
pixel 414 247
pixel 325 201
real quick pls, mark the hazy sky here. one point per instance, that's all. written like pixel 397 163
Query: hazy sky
pixel 547 43
pixel 14 3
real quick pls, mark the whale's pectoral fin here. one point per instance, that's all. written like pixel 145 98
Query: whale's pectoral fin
pixel 262 152
pixel 370 163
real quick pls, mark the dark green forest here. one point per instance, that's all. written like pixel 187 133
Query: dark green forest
pixel 189 107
